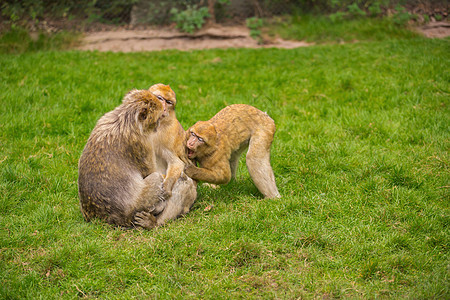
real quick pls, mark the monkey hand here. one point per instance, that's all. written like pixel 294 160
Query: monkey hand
pixel 190 170
pixel 164 194
pixel 168 184
pixel 167 194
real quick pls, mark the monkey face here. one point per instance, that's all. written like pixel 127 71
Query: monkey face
pixel 201 140
pixel 193 142
pixel 166 96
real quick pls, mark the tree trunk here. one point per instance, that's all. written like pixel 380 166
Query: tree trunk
pixel 212 17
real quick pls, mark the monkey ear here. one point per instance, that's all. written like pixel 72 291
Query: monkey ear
pixel 143 114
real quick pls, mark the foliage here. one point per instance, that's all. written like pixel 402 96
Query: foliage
pixel 255 24
pixel 109 11
pixel 401 17
pixel 360 157
pixel 355 11
pixel 190 19
pixel 375 9
pixel 23 12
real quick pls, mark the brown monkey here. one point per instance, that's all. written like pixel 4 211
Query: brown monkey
pixel 170 138
pixel 114 171
pixel 117 181
pixel 169 146
pixel 218 143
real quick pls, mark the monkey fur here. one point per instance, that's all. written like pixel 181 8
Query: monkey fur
pixel 171 158
pixel 170 138
pixel 218 143
pixel 117 179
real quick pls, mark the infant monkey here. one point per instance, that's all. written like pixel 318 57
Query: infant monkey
pixel 116 179
pixel 218 143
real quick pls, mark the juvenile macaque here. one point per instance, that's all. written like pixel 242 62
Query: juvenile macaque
pixel 218 143
pixel 117 179
pixel 169 146
pixel 170 138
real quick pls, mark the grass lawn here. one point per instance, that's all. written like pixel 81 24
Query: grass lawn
pixel 360 157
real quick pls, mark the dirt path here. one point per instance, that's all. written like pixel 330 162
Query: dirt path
pixel 212 37
pixel 161 39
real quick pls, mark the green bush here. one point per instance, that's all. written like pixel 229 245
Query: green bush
pixel 401 16
pixel 255 24
pixel 190 19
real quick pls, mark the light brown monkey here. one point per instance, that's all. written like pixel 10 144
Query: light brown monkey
pixel 218 143
pixel 116 176
pixel 169 146
pixel 170 138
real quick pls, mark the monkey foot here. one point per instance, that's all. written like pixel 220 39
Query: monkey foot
pixel 145 220
pixel 211 185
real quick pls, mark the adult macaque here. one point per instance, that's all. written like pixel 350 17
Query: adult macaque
pixel 218 143
pixel 117 181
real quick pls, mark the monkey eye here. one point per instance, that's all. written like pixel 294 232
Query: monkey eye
pixel 169 102
pixel 160 98
pixel 197 137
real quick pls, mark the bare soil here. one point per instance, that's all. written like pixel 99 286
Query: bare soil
pixel 167 38
pixel 125 40
pixel 435 29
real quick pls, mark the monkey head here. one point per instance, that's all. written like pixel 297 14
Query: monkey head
pixel 144 107
pixel 201 140
pixel 167 97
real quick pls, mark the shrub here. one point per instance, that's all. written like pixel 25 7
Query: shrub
pixel 190 19
pixel 255 24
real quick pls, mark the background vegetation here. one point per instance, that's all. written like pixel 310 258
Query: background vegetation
pixel 81 13
pixel 360 156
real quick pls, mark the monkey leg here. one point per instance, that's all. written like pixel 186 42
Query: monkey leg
pixel 184 194
pixel 258 165
pixel 234 160
pixel 150 201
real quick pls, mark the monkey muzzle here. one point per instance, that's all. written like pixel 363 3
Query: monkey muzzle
pixel 190 153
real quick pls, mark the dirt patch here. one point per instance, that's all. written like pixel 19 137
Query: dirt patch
pixel 213 37
pixel 162 39
pixel 435 30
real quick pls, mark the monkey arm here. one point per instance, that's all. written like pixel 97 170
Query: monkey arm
pixel 220 174
pixel 175 167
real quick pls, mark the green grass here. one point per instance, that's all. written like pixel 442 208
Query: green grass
pixel 360 156
pixel 322 29
pixel 19 40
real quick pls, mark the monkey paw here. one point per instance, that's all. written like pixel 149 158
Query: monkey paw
pixel 211 185
pixel 164 195
pixel 145 220
pixel 189 170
